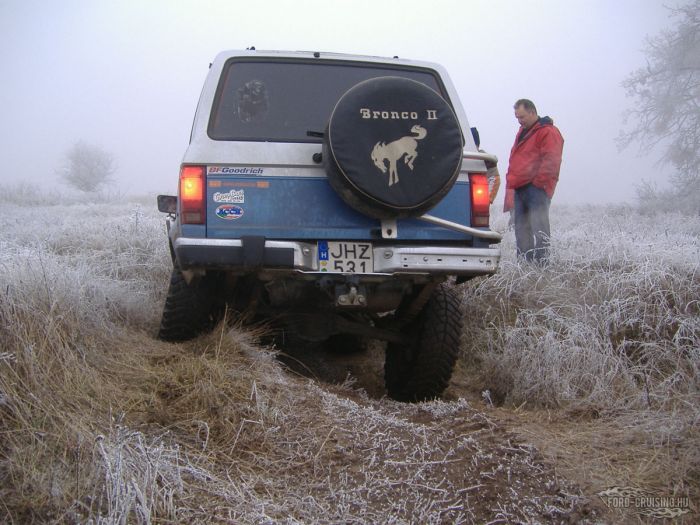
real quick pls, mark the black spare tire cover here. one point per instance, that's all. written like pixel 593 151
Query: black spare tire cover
pixel 392 147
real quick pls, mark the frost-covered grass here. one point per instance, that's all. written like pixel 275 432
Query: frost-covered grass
pixel 613 321
pixel 610 328
pixel 106 262
pixel 101 423
pixel 77 283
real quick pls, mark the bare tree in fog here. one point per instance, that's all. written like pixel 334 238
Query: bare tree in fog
pixel 87 167
pixel 667 112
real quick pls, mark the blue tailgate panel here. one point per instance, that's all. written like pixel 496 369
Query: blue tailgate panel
pixel 308 208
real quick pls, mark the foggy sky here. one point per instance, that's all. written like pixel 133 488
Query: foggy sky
pixel 126 75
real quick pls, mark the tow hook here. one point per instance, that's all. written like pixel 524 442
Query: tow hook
pixel 353 297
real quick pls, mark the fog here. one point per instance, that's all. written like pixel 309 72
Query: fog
pixel 126 75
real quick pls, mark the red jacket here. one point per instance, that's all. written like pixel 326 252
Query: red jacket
pixel 535 159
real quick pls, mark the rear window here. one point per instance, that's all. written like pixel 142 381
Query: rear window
pixel 281 101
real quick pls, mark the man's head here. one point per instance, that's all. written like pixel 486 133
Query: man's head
pixel 525 112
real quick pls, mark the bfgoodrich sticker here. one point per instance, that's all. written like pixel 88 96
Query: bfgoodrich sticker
pixel 230 170
pixel 229 212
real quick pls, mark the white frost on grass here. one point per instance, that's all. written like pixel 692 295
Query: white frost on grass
pixel 610 326
pixel 613 321
pixel 97 263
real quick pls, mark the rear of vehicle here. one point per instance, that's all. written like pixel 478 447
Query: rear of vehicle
pixel 305 191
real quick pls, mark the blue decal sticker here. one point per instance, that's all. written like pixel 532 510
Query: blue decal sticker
pixel 322 250
pixel 229 212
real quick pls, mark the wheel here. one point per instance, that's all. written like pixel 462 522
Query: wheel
pixel 392 148
pixel 422 370
pixel 189 309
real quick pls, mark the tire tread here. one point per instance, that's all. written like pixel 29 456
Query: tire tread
pixel 423 372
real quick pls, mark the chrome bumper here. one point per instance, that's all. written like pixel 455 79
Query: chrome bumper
pixel 442 259
pixel 301 256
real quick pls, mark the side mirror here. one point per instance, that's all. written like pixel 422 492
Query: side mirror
pixel 167 204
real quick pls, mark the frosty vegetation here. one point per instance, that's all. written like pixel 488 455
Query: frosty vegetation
pixel 87 167
pixel 666 113
pixel 101 423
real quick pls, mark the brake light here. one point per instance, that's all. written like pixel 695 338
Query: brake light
pixel 192 193
pixel 480 199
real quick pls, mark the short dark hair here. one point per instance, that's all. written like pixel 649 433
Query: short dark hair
pixel 528 105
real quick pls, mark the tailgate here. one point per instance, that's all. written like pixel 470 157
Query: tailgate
pixel 253 202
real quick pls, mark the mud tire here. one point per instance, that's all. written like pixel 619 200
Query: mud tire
pixel 189 309
pixel 400 164
pixel 422 371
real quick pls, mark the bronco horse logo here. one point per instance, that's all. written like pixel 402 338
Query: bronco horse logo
pixel 392 152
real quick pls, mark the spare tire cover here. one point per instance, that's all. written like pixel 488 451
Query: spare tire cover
pixel 392 147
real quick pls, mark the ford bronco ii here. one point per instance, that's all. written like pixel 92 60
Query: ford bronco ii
pixel 335 195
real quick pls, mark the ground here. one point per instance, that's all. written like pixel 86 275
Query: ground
pixel 521 465
pixel 587 391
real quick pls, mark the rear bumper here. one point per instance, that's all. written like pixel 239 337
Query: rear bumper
pixel 251 253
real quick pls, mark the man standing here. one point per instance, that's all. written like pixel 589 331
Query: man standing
pixel 533 172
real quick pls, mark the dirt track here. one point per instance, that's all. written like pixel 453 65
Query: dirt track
pixel 476 462
pixel 463 457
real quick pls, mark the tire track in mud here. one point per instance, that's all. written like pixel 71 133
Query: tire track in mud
pixel 439 462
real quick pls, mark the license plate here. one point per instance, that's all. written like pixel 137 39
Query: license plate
pixel 345 257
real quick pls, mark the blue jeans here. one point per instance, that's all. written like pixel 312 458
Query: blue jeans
pixel 531 221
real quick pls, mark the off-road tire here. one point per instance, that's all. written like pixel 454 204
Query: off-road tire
pixel 189 309
pixel 421 371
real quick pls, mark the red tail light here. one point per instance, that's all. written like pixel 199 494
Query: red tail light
pixel 192 193
pixel 480 199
